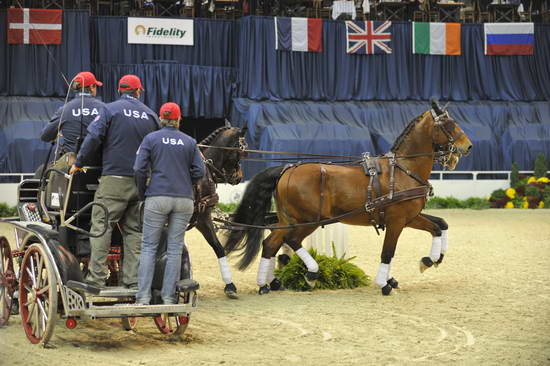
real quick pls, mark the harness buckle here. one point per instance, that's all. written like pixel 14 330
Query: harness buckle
pixel 369 208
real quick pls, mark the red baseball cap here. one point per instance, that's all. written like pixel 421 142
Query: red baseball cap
pixel 86 78
pixel 129 82
pixel 170 111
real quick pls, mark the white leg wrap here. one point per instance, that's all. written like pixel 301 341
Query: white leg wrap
pixel 262 271
pixel 308 260
pixel 383 275
pixel 444 241
pixel 435 252
pixel 224 270
pixel 271 271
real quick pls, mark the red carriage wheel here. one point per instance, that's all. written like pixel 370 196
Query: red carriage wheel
pixel 37 295
pixel 129 323
pixel 172 324
pixel 8 281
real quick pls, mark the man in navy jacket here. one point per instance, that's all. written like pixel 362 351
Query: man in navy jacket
pixel 118 133
pixel 175 163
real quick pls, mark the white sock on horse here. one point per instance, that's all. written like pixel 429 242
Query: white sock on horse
pixel 224 269
pixel 444 241
pixel 308 260
pixel 271 272
pixel 383 275
pixel 262 271
pixel 435 252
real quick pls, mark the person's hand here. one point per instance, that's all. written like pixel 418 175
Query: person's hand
pixel 74 169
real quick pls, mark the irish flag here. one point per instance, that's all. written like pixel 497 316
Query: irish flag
pixel 436 38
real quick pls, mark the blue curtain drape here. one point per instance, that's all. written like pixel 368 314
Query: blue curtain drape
pixel 318 127
pixel 201 91
pixel 334 75
pixel 36 70
pixel 215 44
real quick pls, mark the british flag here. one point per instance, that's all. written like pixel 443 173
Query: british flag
pixel 368 37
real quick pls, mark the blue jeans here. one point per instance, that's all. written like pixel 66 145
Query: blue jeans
pixel 177 211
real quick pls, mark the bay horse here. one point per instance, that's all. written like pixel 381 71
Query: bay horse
pixel 312 194
pixel 222 166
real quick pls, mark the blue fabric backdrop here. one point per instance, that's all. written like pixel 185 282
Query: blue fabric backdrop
pixel 333 75
pixel 201 91
pixel 324 128
pixel 35 70
pixel 21 150
pixel 215 44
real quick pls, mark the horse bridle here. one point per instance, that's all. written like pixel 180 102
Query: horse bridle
pixel 220 175
pixel 445 150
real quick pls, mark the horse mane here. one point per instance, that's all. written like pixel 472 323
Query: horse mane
pixel 399 140
pixel 208 139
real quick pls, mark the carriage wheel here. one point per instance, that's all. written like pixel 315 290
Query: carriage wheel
pixel 172 324
pixel 37 295
pixel 129 323
pixel 7 281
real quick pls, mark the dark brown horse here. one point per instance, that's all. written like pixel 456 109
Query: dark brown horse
pixel 223 166
pixel 310 194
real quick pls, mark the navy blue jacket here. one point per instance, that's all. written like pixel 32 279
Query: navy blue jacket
pixel 119 131
pixel 70 125
pixel 175 163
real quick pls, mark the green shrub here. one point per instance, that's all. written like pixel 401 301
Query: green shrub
pixel 451 202
pixel 334 273
pixel 7 211
pixel 498 195
pixel 227 207
pixel 477 203
pixel 532 191
pixel 541 166
pixel 514 175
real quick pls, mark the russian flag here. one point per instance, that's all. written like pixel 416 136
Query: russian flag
pixel 299 34
pixel 509 38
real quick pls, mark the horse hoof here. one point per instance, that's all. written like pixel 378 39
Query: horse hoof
pixel 311 278
pixel 393 283
pixel 283 259
pixel 263 290
pixel 231 291
pixel 275 285
pixel 386 290
pixel 439 260
pixel 425 263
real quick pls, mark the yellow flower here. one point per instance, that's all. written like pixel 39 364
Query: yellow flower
pixel 541 204
pixel 488 198
pixel 511 193
pixel 543 180
pixel 524 198
pixel 509 204
pixel 531 180
pixel 525 204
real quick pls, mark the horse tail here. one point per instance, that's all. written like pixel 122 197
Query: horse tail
pixel 254 206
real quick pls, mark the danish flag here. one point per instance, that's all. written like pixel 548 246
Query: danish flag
pixel 34 26
pixel 371 39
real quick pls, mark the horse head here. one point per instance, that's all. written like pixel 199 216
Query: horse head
pixel 447 133
pixel 225 164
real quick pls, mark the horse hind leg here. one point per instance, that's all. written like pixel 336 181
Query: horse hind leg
pixel 270 246
pixel 294 240
pixel 422 222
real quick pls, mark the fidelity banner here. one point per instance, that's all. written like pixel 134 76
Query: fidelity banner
pixel 160 31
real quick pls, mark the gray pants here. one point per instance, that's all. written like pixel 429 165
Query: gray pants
pixel 159 210
pixel 120 196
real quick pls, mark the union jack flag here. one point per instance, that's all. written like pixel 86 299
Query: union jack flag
pixel 368 38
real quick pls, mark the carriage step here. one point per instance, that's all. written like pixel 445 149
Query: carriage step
pixel 119 310
pixel 83 286
pixel 187 285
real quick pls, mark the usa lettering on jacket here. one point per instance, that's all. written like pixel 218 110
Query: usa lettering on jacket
pixel 135 114
pixel 169 141
pixel 85 112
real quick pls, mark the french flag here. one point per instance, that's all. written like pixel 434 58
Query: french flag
pixel 299 34
pixel 509 38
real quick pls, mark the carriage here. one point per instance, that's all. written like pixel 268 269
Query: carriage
pixel 44 265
